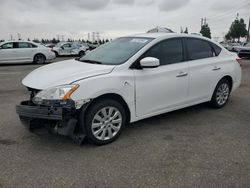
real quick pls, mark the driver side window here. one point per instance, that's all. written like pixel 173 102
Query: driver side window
pixel 168 52
pixel 66 46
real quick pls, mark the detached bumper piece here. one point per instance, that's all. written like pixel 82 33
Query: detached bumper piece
pixel 60 120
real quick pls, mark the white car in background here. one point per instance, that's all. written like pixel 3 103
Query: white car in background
pixel 126 80
pixel 233 47
pixel 24 52
pixel 244 51
pixel 70 48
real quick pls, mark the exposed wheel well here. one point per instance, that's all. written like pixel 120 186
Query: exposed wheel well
pixel 115 97
pixel 229 79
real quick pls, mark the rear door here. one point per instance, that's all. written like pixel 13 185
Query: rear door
pixel 25 52
pixel 204 69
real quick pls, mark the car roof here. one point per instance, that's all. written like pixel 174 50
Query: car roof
pixel 9 41
pixel 16 41
pixel 166 35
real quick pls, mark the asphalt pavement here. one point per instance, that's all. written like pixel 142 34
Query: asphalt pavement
pixel 193 147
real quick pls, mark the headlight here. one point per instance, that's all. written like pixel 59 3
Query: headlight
pixel 56 93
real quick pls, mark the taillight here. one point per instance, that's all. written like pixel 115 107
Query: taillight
pixel 239 61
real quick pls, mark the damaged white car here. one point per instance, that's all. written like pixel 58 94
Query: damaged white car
pixel 126 80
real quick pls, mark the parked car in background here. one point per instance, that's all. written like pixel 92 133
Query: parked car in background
pixel 225 45
pixel 126 80
pixel 93 46
pixel 24 52
pixel 244 52
pixel 50 45
pixel 70 48
pixel 233 46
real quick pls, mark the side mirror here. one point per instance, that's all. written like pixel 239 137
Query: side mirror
pixel 150 62
pixel 62 48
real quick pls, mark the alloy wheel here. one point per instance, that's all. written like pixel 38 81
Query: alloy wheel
pixel 106 123
pixel 222 94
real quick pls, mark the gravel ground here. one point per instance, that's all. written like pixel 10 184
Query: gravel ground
pixel 193 147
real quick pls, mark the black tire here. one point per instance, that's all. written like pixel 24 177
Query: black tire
pixel 95 110
pixel 220 95
pixel 39 59
pixel 81 53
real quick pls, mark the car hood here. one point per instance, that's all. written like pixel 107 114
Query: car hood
pixel 64 72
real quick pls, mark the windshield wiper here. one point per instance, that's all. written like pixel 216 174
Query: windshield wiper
pixel 90 61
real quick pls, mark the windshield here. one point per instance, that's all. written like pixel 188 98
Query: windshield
pixel 117 51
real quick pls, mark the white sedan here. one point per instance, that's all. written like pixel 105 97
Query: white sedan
pixel 126 80
pixel 70 48
pixel 24 52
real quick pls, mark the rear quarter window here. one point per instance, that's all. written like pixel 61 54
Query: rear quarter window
pixel 216 48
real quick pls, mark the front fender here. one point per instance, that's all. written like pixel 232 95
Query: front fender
pixel 94 87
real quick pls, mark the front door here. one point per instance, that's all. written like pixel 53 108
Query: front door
pixel 163 88
pixel 7 53
pixel 65 49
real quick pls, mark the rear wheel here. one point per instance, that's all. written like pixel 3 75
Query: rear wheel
pixel 39 59
pixel 221 94
pixel 104 121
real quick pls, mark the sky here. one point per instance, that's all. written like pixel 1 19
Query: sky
pixel 114 18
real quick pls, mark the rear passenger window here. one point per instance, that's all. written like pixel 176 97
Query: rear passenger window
pixel 168 52
pixel 25 45
pixel 199 49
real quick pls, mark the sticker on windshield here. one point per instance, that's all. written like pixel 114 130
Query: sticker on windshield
pixel 139 40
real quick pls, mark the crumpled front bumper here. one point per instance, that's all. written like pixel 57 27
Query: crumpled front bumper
pixel 60 120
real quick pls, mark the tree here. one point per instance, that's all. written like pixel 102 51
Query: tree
pixel 182 30
pixel 36 40
pixel 186 30
pixel 205 31
pixel 228 36
pixel 54 41
pixel 237 30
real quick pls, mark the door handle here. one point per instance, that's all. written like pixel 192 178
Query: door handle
pixel 182 74
pixel 216 68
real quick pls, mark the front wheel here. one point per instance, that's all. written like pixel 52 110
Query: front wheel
pixel 81 53
pixel 104 121
pixel 221 94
